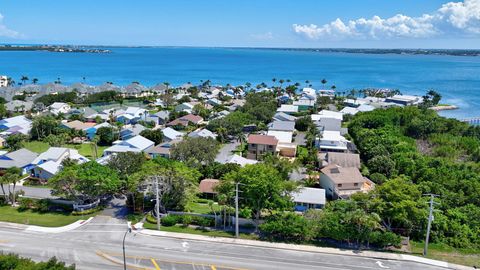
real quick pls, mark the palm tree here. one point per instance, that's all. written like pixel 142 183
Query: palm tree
pixel 324 81
pixel 10 82
pixel 333 87
pixel 307 82
pixel 24 79
pixel 34 80
pixel 274 80
pixel 281 81
pixel 248 85
pixel 58 81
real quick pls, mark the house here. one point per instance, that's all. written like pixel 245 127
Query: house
pixel 354 102
pixel 309 198
pixel 160 88
pixel 236 159
pixel 91 132
pixel 184 107
pixel 328 120
pixel 170 134
pixel 405 100
pixel 288 109
pixel 59 108
pixel 326 93
pixel 207 187
pixel 48 163
pixel 285 147
pixel 130 131
pixel 259 145
pixel 340 182
pixel 285 98
pixel 87 112
pixel 132 115
pixel 365 108
pixel 78 125
pixel 349 110
pixel 214 102
pixel 282 126
pixel 15 125
pixel 21 158
pixel 19 106
pixel 186 120
pixel 161 150
pixel 135 144
pixel 203 133
pixel 280 116
pixel 345 160
pixel 332 141
pixel 3 81
pixel 307 99
pixel 162 117
pixel 282 136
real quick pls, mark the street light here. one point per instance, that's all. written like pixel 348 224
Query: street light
pixel 129 230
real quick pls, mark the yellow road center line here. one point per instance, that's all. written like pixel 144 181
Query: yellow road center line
pixel 213 267
pixel 155 264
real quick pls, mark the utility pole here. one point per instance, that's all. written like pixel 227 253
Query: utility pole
pixel 430 219
pixel 157 206
pixel 236 209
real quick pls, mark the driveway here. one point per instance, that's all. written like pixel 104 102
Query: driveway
pixel 226 151
pixel 33 192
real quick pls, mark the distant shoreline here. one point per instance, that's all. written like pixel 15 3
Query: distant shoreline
pixel 101 49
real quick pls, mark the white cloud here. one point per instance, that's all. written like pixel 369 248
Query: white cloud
pixel 6 32
pixel 263 36
pixel 452 19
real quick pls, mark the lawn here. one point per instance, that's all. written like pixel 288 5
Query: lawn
pixel 448 254
pixel 85 149
pixel 11 214
pixel 191 230
pixel 202 208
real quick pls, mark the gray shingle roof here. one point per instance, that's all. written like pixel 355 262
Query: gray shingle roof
pixel 19 159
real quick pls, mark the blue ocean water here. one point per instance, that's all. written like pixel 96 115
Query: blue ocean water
pixel 456 78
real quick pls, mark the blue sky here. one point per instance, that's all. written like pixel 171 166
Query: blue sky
pixel 266 23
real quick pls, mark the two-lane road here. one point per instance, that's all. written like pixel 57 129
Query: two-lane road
pixel 87 245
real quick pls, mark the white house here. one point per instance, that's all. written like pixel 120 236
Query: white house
pixel 170 134
pixel 288 109
pixel 134 144
pixel 204 133
pixel 17 124
pixel 59 107
pixel 309 198
pixel 236 159
pixel 3 81
pixel 184 107
pixel 48 163
pixel 349 110
pixel 328 120
pixel 332 141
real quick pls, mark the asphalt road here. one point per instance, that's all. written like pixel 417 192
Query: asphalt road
pixel 33 192
pixel 93 246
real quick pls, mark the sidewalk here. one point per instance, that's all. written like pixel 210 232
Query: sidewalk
pixel 304 248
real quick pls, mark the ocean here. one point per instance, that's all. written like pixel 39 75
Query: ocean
pixel 457 78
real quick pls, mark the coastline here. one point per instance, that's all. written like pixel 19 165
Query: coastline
pixel 444 108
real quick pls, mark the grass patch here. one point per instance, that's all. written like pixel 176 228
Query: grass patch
pixel 446 253
pixel 202 208
pixel 36 146
pixel 84 149
pixel 28 217
pixel 199 231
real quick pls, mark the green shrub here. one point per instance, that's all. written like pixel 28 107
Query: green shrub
pixel 187 220
pixel 169 220
pixel 151 219
pixel 42 205
pixel 25 204
pixel 86 212
pixel 203 221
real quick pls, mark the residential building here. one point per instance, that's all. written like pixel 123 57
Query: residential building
pixel 236 159
pixel 332 141
pixel 161 150
pixel 203 133
pixel 162 117
pixel 186 120
pixel 3 81
pixel 280 116
pixel 132 115
pixel 285 147
pixel 170 134
pixel 405 100
pixel 259 145
pixel 288 109
pixel 19 106
pixel 59 108
pixel 207 187
pixel 340 182
pixel 91 132
pixel 365 108
pixel 130 131
pixel 282 126
pixel 184 107
pixel 345 160
pixel 349 110
pixel 49 163
pixel 15 125
pixel 21 158
pixel 135 144
pixel 309 198
pixel 78 125
pixel 328 120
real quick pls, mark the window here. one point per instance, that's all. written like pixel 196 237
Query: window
pixel 355 184
pixel 339 185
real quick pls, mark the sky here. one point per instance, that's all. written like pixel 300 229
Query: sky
pixel 244 23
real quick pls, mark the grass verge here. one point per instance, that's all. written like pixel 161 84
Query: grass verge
pixel 199 231
pixel 448 254
pixel 28 217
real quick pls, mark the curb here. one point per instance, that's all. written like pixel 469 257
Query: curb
pixel 303 248
pixel 118 262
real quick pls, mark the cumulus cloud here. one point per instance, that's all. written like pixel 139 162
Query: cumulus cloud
pixel 263 36
pixel 6 32
pixel 452 19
